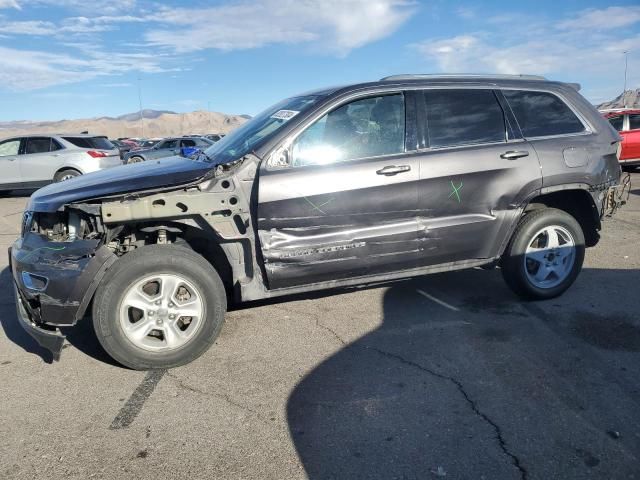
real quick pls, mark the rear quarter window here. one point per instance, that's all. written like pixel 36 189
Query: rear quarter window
pixel 542 114
pixel 99 143
pixel 634 121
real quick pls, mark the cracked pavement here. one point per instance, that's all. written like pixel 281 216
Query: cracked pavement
pixel 380 382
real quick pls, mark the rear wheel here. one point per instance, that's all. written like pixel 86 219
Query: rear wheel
pixel 63 175
pixel 135 159
pixel 545 254
pixel 159 307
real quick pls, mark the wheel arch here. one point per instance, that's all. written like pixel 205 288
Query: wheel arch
pixel 578 203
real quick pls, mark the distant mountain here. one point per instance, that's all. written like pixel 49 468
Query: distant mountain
pixel 156 123
pixel 629 99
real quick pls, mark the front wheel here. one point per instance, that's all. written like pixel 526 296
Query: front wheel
pixel 135 159
pixel 545 254
pixel 159 307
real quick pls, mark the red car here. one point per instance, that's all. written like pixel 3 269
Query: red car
pixel 627 122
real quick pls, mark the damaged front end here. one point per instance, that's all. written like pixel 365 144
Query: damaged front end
pixel 57 264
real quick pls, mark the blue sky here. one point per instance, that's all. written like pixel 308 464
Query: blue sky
pixel 78 58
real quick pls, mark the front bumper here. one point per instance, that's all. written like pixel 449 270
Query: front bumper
pixel 67 274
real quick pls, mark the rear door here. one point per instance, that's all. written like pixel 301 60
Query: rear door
pixel 9 165
pixel 475 173
pixel 631 148
pixel 344 204
pixel 40 160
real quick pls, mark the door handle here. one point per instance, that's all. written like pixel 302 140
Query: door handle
pixel 513 154
pixel 393 170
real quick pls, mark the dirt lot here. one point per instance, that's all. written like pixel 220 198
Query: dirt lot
pixel 448 375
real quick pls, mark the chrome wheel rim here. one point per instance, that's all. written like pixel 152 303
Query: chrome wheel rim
pixel 550 256
pixel 135 160
pixel 161 312
pixel 68 176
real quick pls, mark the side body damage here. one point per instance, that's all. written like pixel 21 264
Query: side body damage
pixel 270 228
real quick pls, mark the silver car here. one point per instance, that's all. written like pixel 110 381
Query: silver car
pixel 167 148
pixel 36 160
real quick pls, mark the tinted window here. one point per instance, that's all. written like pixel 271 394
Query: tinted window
pixel 9 147
pixel 460 117
pixel 616 122
pixel 169 144
pixel 365 128
pixel 188 143
pixel 540 114
pixel 100 143
pixel 634 121
pixel 40 145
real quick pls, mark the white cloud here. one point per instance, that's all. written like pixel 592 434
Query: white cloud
pixel 338 26
pixel 603 19
pixel 30 70
pixel 543 48
pixel 29 27
pixel 9 4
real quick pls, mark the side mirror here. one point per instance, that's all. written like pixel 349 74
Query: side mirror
pixel 280 158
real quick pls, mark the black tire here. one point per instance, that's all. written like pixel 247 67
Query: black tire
pixel 150 260
pixel 513 261
pixel 135 159
pixel 67 174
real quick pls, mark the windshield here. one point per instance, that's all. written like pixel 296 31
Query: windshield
pixel 260 128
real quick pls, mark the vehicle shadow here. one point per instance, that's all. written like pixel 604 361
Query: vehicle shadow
pixel 433 390
pixel 81 336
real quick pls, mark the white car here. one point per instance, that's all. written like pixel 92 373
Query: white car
pixel 36 160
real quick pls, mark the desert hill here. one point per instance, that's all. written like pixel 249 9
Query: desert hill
pixel 156 124
pixel 629 99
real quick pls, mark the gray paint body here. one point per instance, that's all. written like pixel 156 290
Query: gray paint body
pixel 315 227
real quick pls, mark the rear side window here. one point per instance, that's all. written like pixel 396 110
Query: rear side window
pixel 188 143
pixel 542 114
pixel 616 122
pixel 41 145
pixel 463 117
pixel 634 121
pixel 99 143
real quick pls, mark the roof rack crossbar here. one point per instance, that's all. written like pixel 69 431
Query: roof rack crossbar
pixel 461 75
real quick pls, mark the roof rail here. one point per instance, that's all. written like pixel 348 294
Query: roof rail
pixel 436 76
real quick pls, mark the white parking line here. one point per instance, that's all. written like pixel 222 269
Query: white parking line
pixel 437 300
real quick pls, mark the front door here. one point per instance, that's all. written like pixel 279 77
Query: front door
pixel 344 205
pixel 9 165
pixel 475 173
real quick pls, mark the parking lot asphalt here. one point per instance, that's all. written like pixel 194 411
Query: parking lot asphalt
pixel 443 376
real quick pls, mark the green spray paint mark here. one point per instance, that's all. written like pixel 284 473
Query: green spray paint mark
pixel 456 191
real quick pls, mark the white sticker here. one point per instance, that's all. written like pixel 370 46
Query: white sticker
pixel 285 114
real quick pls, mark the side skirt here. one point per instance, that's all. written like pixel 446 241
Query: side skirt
pixel 252 294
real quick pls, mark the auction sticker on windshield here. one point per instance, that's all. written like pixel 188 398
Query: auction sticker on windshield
pixel 285 114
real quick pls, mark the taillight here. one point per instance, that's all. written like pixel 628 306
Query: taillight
pixel 96 154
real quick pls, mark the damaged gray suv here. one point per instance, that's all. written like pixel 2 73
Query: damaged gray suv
pixel 340 187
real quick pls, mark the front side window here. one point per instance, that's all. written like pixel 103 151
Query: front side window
pixel 9 147
pixel 463 117
pixel 187 143
pixel 617 122
pixel 370 127
pixel 634 121
pixel 542 114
